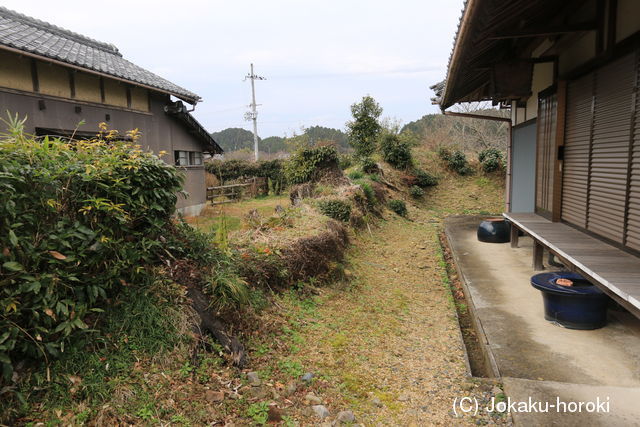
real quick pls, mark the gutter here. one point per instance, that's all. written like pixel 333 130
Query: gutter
pixel 497 119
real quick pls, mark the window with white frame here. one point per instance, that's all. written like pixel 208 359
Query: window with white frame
pixel 188 158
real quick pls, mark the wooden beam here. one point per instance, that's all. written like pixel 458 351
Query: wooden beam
pixel 549 31
pixel 556 212
pixel 612 24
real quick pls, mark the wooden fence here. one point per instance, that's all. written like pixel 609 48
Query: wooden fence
pixel 230 193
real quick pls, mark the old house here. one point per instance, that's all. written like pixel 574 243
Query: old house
pixel 57 79
pixel 569 72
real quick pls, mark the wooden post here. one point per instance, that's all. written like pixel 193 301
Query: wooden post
pixel 538 251
pixel 556 205
pixel 514 236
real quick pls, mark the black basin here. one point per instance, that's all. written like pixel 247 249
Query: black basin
pixel 581 306
pixel 494 230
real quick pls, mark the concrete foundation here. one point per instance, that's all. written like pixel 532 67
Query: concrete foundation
pixel 534 356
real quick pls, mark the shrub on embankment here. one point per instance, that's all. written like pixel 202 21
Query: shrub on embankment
pixel 79 221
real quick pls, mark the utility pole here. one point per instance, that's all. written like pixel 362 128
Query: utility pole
pixel 253 114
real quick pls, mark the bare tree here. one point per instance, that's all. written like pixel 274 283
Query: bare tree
pixel 478 134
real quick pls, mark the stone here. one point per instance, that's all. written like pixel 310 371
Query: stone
pixel 257 393
pixel 312 399
pixel 291 388
pixel 376 402
pixel 345 417
pixel 321 411
pixel 307 377
pixel 214 396
pixel 274 415
pixel 254 379
pixel 403 398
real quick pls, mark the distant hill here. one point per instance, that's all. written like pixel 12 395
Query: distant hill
pixel 233 139
pixel 321 133
pixel 423 125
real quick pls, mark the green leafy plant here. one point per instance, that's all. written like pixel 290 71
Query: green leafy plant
pixel 308 164
pixel 363 131
pixel 398 206
pixel 186 369
pixel 78 222
pixel 423 179
pixel 457 162
pixel 291 367
pixel 336 209
pixel 491 160
pixel 416 192
pixel 258 412
pixel 146 413
pixel 396 151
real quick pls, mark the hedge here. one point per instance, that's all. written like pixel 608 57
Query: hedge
pixel 78 221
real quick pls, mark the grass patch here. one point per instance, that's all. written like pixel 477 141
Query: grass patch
pixel 143 322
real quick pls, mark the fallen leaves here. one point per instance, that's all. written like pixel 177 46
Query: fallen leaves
pixel 57 255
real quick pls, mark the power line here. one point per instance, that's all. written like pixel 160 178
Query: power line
pixel 253 114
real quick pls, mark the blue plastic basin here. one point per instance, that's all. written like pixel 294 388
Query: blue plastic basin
pixel 581 306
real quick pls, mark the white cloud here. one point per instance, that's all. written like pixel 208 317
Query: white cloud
pixel 319 56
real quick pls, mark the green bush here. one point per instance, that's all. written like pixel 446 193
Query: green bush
pixel 336 209
pixel 365 128
pixel 395 151
pixel 416 192
pixel 368 165
pixel 78 221
pixel 423 179
pixel 308 164
pixel 398 206
pixel 457 162
pixel 491 160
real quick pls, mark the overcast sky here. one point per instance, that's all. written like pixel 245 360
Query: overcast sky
pixel 319 56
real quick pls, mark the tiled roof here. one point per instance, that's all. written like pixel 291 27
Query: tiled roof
pixel 43 39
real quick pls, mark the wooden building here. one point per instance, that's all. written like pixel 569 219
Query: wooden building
pixel 569 71
pixel 57 79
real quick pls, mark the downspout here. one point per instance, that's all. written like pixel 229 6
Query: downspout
pixel 497 119
pixel 193 108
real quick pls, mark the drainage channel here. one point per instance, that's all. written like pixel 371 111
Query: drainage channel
pixel 478 358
